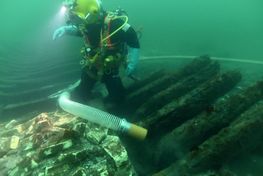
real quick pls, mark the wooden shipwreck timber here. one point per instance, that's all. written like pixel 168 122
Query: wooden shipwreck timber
pixel 198 119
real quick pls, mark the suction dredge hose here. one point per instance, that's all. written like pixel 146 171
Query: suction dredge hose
pixel 100 117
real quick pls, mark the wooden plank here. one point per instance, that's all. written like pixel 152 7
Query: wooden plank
pixel 243 135
pixel 178 111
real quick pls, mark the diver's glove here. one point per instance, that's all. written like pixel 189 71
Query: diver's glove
pixel 132 61
pixel 71 29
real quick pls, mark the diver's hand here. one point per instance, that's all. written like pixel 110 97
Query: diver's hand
pixel 129 71
pixel 59 33
pixel 134 78
pixel 64 30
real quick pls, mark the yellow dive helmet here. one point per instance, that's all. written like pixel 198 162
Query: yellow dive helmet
pixel 86 10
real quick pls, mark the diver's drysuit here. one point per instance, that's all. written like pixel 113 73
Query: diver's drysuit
pixel 102 60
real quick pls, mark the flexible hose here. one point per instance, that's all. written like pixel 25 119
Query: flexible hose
pixel 114 32
pixel 145 58
pixel 100 117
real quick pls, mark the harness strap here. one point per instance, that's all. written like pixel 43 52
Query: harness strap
pixel 108 43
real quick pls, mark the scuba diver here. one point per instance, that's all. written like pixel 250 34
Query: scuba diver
pixel 109 41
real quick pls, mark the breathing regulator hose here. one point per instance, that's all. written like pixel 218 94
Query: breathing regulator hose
pixel 100 117
pixel 114 32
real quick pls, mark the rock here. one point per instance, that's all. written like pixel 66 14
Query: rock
pixel 14 142
pixel 11 124
pixel 55 149
pixel 4 146
pixel 95 133
pixel 115 150
pixel 80 172
pixel 9 132
pixel 8 163
pixel 43 147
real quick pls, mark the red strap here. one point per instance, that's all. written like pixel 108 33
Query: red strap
pixel 109 43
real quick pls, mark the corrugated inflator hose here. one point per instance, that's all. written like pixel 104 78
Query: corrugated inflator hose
pixel 100 117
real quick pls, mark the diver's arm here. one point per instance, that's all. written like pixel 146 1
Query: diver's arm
pixel 133 49
pixel 69 30
pixel 132 60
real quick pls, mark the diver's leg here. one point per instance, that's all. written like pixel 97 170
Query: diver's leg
pixel 83 90
pixel 115 88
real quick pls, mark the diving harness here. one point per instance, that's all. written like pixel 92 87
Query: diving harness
pixel 98 63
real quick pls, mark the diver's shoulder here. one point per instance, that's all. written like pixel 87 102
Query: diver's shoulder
pixel 118 21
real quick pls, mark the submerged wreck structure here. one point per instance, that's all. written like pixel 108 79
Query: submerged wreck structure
pixel 199 120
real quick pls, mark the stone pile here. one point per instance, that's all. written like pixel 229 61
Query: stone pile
pixel 57 143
